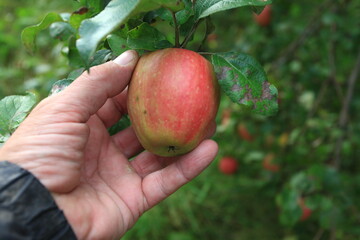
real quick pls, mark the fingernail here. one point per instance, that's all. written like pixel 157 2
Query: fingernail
pixel 125 58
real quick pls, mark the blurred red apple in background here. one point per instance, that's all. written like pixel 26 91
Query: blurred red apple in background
pixel 264 18
pixel 228 165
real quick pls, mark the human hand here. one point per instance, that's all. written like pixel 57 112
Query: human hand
pixel 64 142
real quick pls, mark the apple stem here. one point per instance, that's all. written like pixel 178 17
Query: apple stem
pixel 208 30
pixel 176 26
pixel 192 31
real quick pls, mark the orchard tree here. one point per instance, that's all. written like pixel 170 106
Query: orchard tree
pixel 100 30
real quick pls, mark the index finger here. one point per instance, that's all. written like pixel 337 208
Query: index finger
pixel 88 93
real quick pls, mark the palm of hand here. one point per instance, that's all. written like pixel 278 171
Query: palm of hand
pixel 64 142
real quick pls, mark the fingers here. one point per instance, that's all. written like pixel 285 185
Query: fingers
pixel 160 184
pixel 87 94
pixel 127 142
pixel 114 108
pixel 147 162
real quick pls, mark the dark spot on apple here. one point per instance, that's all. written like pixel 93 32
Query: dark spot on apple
pixel 137 98
pixel 145 112
pixel 171 148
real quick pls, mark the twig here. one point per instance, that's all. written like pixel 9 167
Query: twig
pixel 190 34
pixel 343 120
pixel 310 29
pixel 176 26
pixel 208 30
pixel 332 57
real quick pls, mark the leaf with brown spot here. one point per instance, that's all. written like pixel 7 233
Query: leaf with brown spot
pixel 245 82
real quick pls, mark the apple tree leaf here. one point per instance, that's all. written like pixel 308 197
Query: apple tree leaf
pixel 117 44
pixel 75 73
pixel 122 124
pixel 60 85
pixel 204 8
pixel 61 30
pixel 28 35
pixel 146 37
pixel 173 5
pixel 290 209
pixel 13 110
pixel 95 29
pixel 78 16
pixel 100 57
pixel 244 81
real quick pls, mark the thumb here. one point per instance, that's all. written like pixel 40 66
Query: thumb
pixel 89 92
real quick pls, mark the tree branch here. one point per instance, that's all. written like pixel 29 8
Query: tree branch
pixel 309 30
pixel 344 114
pixel 176 26
pixel 190 34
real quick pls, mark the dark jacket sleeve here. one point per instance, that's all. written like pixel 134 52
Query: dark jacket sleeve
pixel 27 209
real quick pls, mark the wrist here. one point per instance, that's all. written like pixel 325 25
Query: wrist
pixel 31 205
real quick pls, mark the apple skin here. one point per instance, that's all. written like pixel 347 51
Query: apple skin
pixel 228 165
pixel 264 18
pixel 173 98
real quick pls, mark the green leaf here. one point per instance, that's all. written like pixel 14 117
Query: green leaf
pixel 146 37
pixel 184 15
pixel 61 30
pixel 28 35
pixel 204 8
pixel 76 73
pixel 174 5
pixel 95 29
pixel 302 183
pixel 96 5
pixel 290 209
pixel 117 44
pixel 244 80
pixel 13 110
pixel 123 123
pixel 60 85
pixel 74 57
pixel 77 17
pixel 100 57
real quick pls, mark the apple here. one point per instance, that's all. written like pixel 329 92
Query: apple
pixel 228 165
pixel 306 212
pixel 264 18
pixel 173 98
pixel 244 133
pixel 268 163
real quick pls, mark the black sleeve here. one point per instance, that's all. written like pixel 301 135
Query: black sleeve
pixel 27 209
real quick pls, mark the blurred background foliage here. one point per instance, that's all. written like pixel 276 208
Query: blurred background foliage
pixel 297 173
